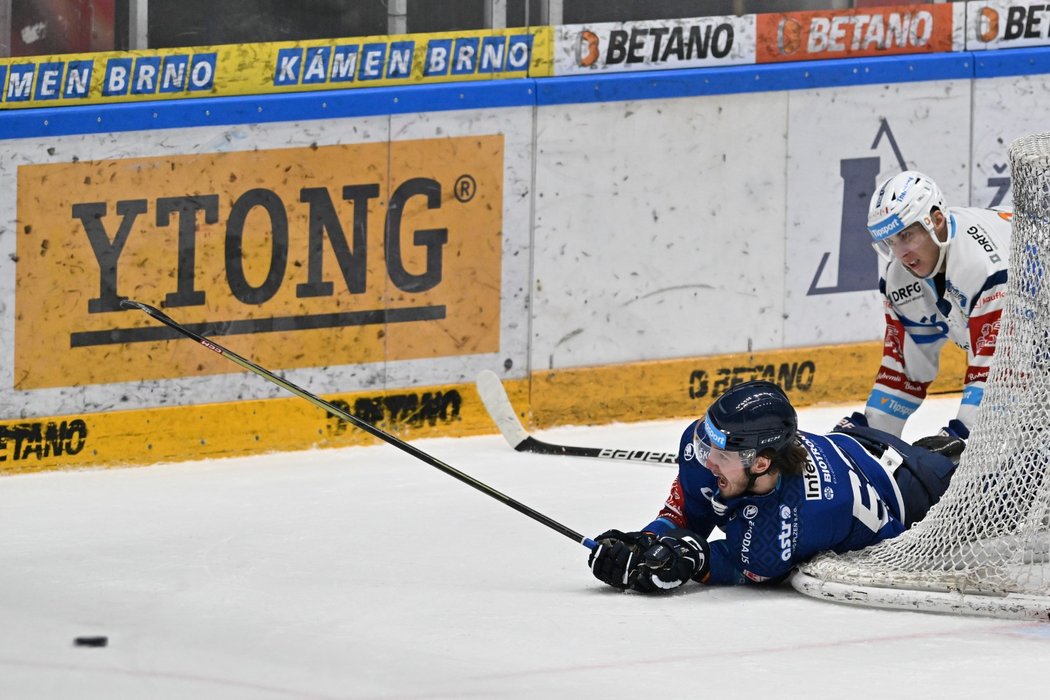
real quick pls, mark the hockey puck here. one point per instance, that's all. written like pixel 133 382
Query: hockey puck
pixel 91 641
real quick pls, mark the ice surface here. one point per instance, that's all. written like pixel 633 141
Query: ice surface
pixel 365 573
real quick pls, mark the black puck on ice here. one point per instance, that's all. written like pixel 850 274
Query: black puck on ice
pixel 91 641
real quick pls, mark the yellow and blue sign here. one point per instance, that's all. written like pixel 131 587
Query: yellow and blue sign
pixel 461 57
pixel 258 69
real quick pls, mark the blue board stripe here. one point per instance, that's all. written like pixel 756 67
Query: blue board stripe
pixel 258 109
pixel 1011 62
pixel 605 87
pixel 743 79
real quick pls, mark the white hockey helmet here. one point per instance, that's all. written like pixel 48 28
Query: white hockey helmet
pixel 902 200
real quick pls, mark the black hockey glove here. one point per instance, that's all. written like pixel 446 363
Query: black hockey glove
pixel 950 442
pixel 619 554
pixel 676 557
pixel 950 447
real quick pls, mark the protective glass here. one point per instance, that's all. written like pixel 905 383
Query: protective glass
pixel 890 241
pixel 707 453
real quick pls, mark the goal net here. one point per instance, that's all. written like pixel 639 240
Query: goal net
pixel 985 548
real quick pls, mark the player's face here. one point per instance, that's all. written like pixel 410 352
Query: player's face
pixel 915 248
pixel 728 467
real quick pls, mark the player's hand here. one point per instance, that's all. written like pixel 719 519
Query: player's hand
pixel 616 559
pixel 857 420
pixel 675 558
pixel 950 442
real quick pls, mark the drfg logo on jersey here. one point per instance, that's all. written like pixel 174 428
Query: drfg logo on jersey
pixel 327 255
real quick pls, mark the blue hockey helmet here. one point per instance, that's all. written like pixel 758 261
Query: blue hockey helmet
pixel 754 415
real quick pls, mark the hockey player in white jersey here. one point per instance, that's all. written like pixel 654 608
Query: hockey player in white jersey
pixel 943 277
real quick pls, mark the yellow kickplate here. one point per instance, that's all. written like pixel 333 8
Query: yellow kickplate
pixel 578 396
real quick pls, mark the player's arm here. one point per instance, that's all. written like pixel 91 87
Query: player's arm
pixel 683 510
pixel 726 568
pixel 671 549
pixel 910 361
pixel 687 507
pixel 984 321
pixel 663 555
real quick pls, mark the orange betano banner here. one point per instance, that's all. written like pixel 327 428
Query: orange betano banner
pixel 875 31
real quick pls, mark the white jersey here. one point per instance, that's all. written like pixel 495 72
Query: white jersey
pixel 963 305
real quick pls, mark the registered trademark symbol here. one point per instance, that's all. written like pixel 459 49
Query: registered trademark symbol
pixel 465 188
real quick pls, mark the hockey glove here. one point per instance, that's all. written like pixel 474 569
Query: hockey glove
pixel 857 420
pixel 950 447
pixel 676 557
pixel 619 554
pixel 950 442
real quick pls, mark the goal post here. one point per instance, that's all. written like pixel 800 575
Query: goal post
pixel 985 548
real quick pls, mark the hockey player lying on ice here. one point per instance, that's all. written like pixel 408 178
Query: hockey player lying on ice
pixel 780 495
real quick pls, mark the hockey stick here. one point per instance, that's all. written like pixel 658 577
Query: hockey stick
pixel 494 396
pixel 363 425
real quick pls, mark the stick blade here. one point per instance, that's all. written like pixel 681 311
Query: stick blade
pixel 494 396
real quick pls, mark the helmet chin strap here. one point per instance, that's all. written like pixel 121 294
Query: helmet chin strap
pixel 751 479
pixel 940 258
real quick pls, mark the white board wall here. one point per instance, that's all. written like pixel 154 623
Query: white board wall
pixel 634 230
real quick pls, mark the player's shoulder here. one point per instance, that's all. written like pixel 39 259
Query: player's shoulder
pixel 827 465
pixel 690 470
pixel 983 229
pixel 685 443
pixel 998 218
pixel 979 254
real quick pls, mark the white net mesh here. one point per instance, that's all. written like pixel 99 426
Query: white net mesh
pixel 986 545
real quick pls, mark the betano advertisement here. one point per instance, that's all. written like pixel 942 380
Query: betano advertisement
pixel 255 69
pixel 700 42
pixel 799 36
pixel 875 31
pixel 1006 25
pixel 763 38
pixel 349 254
pixel 259 69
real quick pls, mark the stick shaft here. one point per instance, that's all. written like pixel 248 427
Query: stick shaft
pixel 494 396
pixel 363 425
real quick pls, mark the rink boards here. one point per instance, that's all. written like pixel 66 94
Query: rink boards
pixel 619 246
pixel 575 396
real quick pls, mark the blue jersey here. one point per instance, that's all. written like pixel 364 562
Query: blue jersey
pixel 845 499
